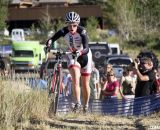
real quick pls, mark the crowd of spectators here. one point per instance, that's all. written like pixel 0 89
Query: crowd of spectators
pixel 139 79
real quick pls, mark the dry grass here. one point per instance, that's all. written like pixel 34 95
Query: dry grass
pixel 19 103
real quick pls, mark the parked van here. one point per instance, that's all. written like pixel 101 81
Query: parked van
pixel 17 35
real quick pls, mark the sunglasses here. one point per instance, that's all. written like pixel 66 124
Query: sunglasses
pixel 110 75
pixel 143 63
pixel 72 25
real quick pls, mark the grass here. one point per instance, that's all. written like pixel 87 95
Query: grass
pixel 18 103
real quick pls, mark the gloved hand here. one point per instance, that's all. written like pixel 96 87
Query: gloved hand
pixel 76 54
pixel 48 43
pixel 46 49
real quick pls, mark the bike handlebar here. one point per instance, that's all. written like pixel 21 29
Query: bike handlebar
pixel 60 52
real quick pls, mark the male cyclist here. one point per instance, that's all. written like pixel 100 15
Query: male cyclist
pixel 77 40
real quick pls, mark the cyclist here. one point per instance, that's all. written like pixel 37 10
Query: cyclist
pixel 77 40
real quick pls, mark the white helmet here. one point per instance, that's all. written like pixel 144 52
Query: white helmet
pixel 72 17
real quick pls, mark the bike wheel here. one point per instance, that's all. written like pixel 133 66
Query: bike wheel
pixel 55 91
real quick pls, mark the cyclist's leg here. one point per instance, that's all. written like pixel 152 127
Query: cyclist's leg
pixel 75 73
pixel 86 89
pixel 86 74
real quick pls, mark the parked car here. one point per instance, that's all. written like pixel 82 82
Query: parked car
pixel 100 50
pixel 119 62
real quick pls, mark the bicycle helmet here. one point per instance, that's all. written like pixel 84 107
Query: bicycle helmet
pixel 72 17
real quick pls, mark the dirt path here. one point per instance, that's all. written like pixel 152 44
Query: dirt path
pixel 94 122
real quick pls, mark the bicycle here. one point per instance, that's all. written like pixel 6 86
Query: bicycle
pixel 55 80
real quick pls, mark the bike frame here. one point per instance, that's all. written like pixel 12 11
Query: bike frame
pixel 55 82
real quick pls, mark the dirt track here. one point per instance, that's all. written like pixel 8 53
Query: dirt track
pixel 94 122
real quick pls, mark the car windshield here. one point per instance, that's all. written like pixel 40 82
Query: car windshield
pixel 102 48
pixel 119 61
pixel 23 53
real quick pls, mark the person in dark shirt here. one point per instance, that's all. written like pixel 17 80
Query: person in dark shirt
pixel 145 76
pixel 2 66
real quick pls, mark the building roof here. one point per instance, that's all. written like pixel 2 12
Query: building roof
pixel 44 1
pixel 39 13
pixel 63 1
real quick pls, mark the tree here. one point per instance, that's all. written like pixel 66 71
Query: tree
pixel 3 13
pixel 148 11
pixel 92 29
pixel 107 8
pixel 127 23
pixel 134 19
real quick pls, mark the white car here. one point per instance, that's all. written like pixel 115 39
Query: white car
pixel 119 62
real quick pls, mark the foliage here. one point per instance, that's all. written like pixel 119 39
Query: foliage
pixel 60 24
pixel 45 26
pixel 137 21
pixel 91 27
pixel 108 10
pixel 3 13
pixel 3 17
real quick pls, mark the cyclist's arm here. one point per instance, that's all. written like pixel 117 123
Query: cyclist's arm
pixel 85 41
pixel 58 34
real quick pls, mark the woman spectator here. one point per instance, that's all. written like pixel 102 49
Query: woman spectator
pixel 110 93
pixel 111 86
pixel 128 82
pixel 103 75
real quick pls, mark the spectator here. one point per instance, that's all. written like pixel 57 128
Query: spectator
pixel 156 84
pixel 42 67
pixel 68 87
pixel 145 76
pixel 2 66
pixel 111 86
pixel 95 78
pixel 103 75
pixel 128 82
pixel 110 94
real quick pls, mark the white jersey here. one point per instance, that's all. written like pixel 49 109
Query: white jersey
pixel 77 41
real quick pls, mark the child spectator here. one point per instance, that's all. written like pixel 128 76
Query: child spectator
pixel 103 75
pixel 68 84
pixel 95 78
